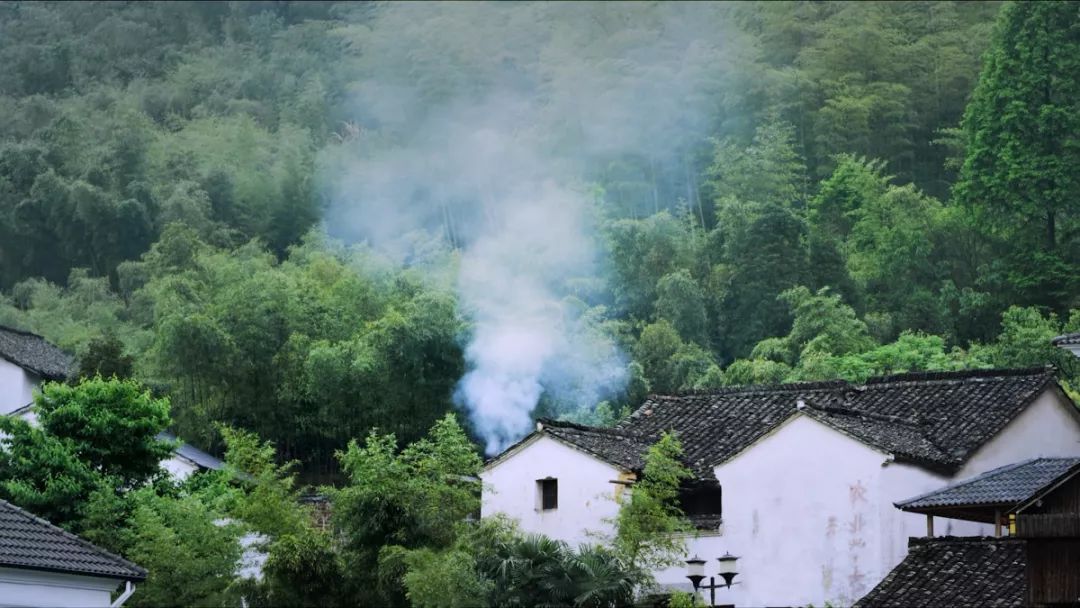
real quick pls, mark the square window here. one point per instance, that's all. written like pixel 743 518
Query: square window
pixel 548 491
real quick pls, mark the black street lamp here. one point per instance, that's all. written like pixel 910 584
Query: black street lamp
pixel 695 568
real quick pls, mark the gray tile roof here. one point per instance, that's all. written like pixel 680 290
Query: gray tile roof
pixel 936 420
pixel 621 448
pixel 1008 485
pixel 29 542
pixel 949 571
pixel 1066 340
pixel 194 454
pixel 903 439
pixel 34 353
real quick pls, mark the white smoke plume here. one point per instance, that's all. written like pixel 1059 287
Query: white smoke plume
pixel 484 124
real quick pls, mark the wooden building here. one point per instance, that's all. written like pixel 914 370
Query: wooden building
pixel 1036 503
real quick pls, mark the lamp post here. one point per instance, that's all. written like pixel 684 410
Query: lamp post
pixel 695 571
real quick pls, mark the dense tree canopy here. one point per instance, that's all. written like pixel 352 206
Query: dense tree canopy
pixel 96 435
pixel 250 222
pixel 168 175
pixel 1019 175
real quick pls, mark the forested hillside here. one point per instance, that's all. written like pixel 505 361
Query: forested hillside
pixel 299 218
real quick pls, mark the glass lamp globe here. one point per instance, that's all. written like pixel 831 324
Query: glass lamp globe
pixel 727 563
pixel 695 567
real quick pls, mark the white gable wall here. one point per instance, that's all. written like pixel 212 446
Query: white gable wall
pixel 808 509
pixel 16 387
pixel 20 587
pixel 901 481
pixel 1049 427
pixel 800 509
pixel 586 494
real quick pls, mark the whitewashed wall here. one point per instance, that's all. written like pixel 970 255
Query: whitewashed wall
pixel 31 588
pixel 16 387
pixel 586 496
pixel 800 509
pixel 808 509
pixel 903 481
pixel 1049 427
pixel 179 468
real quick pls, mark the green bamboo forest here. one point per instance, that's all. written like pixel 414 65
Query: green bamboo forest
pixel 304 236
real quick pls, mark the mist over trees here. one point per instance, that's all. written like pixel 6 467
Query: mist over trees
pixel 262 210
pixel 354 245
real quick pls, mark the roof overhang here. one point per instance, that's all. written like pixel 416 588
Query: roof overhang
pixel 506 454
pixel 536 436
pixel 982 513
pixel 87 574
pixel 1048 488
pixel 985 512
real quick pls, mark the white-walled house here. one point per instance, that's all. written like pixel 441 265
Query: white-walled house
pixel 27 360
pixel 808 473
pixel 1069 342
pixel 43 565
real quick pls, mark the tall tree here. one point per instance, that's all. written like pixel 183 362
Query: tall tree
pixel 1023 146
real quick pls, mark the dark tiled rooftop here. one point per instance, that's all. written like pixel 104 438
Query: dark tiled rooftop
pixel 904 440
pixel 194 454
pixel 34 353
pixel 1067 339
pixel 620 448
pixel 29 542
pixel 1008 485
pixel 949 571
pixel 936 420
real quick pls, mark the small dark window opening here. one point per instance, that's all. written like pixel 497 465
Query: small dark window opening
pixel 700 499
pixel 549 493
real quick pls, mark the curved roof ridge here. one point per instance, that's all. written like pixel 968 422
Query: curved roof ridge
pixel 758 388
pixel 917 376
pixel 930 376
pixel 566 424
pixel 1011 484
pixel 915 541
pixel 846 411
pixel 1066 339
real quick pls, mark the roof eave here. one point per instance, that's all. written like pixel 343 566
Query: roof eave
pixel 510 451
pixel 535 436
pixel 1048 488
pixel 134 577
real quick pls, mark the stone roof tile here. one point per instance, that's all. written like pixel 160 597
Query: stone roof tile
pixel 29 542
pixel 936 420
pixel 621 448
pixel 34 353
pixel 1067 339
pixel 1008 485
pixel 950 571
